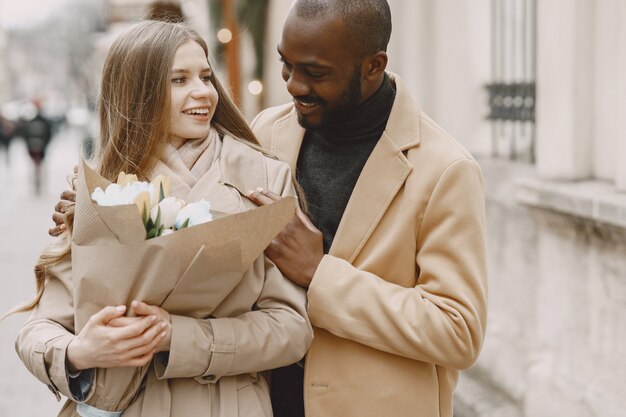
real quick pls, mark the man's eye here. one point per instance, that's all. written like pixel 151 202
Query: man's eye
pixel 315 76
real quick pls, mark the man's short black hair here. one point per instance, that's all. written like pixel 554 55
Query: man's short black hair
pixel 369 21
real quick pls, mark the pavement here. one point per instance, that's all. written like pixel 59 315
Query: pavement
pixel 24 222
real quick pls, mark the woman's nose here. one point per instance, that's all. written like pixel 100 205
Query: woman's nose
pixel 201 89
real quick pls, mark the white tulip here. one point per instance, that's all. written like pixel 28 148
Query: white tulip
pixel 170 207
pixel 197 213
pixel 116 195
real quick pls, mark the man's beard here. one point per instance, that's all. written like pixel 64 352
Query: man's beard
pixel 345 106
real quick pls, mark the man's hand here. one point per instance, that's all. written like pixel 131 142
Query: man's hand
pixel 67 199
pixel 299 247
pixel 101 344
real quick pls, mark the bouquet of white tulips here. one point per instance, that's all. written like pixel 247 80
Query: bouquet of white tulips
pixel 132 241
pixel 161 214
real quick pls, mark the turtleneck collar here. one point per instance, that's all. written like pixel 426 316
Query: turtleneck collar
pixel 368 118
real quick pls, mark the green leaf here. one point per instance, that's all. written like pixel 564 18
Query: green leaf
pixel 144 215
pixel 157 223
pixel 161 192
pixel 184 225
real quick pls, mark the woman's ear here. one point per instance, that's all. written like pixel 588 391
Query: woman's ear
pixel 375 65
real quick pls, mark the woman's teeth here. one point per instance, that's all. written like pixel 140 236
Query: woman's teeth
pixel 199 112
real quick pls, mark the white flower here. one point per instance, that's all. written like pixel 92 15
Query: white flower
pixel 197 213
pixel 117 195
pixel 113 196
pixel 170 207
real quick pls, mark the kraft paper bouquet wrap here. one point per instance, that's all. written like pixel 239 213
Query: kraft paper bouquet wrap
pixel 188 272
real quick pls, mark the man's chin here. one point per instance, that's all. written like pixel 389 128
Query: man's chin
pixel 308 122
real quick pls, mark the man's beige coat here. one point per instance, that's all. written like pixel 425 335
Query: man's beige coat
pixel 399 303
pixel 213 365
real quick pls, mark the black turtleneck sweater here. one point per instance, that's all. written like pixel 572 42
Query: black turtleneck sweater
pixel 329 165
pixel 331 159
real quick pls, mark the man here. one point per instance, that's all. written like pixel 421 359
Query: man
pixel 393 255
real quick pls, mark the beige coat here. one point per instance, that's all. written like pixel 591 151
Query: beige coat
pixel 399 303
pixel 213 367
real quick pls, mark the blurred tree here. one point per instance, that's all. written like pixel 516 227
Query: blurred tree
pixel 251 17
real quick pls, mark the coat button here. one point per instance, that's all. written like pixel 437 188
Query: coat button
pixel 209 377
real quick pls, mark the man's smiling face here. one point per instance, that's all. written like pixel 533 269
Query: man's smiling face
pixel 320 68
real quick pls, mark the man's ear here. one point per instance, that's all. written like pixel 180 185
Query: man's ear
pixel 376 65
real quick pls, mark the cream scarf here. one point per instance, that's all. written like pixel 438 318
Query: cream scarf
pixel 194 158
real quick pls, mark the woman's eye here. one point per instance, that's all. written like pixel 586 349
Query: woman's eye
pixel 178 80
pixel 206 79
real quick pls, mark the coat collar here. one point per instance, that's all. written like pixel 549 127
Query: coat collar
pixel 403 127
pixel 240 166
pixel 383 174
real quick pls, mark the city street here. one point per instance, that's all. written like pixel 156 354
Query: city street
pixel 24 222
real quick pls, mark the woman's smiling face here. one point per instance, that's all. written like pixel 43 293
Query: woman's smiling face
pixel 193 98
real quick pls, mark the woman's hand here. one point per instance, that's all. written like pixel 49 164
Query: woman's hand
pixel 142 309
pixel 100 344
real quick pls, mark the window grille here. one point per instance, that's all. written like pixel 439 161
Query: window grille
pixel 512 89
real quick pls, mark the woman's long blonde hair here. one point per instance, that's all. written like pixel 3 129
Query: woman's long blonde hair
pixel 134 115
pixel 134 98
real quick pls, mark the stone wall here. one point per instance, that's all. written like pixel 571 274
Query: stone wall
pixel 556 338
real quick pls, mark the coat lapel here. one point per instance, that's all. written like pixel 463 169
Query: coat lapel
pixel 383 174
pixel 287 136
pixel 382 177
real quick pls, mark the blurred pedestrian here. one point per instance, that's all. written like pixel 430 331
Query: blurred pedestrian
pixel 37 133
pixel 6 134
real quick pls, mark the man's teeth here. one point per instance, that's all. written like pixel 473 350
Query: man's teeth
pixel 201 112
pixel 306 104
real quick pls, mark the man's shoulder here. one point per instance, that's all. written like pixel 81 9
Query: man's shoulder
pixel 436 144
pixel 413 130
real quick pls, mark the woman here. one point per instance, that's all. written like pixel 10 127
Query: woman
pixel 163 111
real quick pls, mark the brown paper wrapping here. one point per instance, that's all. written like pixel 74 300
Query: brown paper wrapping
pixel 189 272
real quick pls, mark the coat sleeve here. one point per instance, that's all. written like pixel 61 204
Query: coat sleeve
pixel 42 342
pixel 442 319
pixel 277 332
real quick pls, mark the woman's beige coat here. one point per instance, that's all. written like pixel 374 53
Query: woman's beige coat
pixel 214 364
pixel 399 303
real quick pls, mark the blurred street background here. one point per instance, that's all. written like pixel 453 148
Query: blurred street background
pixel 535 89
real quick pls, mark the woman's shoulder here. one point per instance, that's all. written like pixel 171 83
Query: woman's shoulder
pixel 247 150
pixel 247 163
